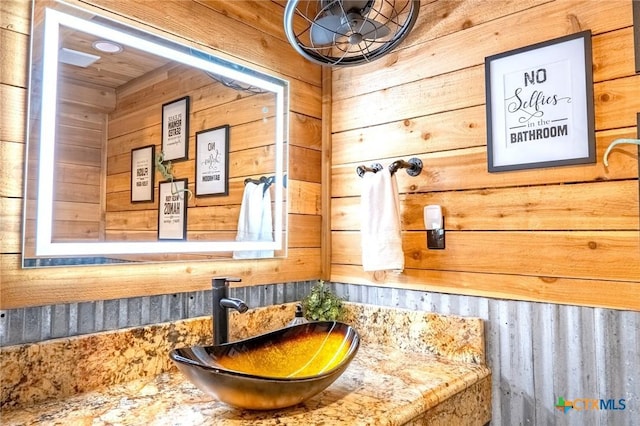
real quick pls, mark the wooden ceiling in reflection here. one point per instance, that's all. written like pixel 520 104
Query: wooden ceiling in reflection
pixel 112 70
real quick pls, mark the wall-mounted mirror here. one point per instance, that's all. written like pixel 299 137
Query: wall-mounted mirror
pixel 105 100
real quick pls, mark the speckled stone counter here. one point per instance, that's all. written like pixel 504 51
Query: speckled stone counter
pixel 412 368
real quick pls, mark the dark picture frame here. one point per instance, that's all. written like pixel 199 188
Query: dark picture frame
pixel 212 162
pixel 540 105
pixel 175 130
pixel 172 209
pixel 143 174
pixel 636 32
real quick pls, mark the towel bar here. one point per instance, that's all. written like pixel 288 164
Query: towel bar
pixel 264 179
pixel 614 143
pixel 413 166
pixel 375 167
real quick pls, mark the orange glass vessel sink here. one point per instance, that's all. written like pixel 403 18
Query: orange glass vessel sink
pixel 273 370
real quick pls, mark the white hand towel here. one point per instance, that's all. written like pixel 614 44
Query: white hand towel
pixel 381 225
pixel 255 220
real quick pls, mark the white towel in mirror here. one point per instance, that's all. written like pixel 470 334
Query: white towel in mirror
pixel 255 220
pixel 381 224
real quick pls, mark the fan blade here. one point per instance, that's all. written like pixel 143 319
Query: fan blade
pixel 373 30
pixel 338 7
pixel 359 5
pixel 368 29
pixel 324 30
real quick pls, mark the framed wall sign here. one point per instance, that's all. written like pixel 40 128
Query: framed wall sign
pixel 212 158
pixel 540 105
pixel 636 32
pixel 175 129
pixel 172 210
pixel 142 173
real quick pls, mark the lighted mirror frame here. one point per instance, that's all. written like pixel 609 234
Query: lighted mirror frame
pixel 54 20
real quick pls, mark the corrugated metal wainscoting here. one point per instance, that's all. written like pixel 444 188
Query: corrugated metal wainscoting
pixel 34 324
pixel 539 352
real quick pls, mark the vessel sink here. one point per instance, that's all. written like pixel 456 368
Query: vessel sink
pixel 273 370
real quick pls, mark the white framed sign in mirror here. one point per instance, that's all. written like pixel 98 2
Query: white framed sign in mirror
pixel 96 95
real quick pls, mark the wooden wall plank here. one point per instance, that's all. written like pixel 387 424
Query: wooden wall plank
pixel 305 131
pixel 442 18
pixel 11 169
pixel 304 197
pixel 576 254
pixel 94 98
pixel 616 102
pixel 441 93
pixel 37 286
pixel 462 128
pixel 14 57
pixel 11 229
pixel 299 235
pixel 303 164
pixel 16 16
pixel 610 58
pixel 578 292
pixel 260 14
pixel 14 107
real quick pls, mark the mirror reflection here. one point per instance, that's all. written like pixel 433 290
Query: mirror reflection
pixel 143 149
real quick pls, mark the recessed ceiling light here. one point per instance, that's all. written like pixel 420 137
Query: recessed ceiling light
pixel 107 46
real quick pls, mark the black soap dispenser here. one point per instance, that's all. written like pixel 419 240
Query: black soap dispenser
pixel 299 317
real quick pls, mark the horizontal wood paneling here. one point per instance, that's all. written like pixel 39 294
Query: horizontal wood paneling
pixel 16 15
pixel 432 95
pixel 605 206
pixel 136 122
pixel 79 155
pixel 14 107
pixel 579 292
pixel 486 30
pixel 11 169
pixel 33 287
pixel 199 24
pixel 570 254
pixel 11 218
pixel 509 234
pixel 467 169
pixel 13 56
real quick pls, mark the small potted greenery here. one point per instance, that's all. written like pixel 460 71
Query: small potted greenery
pixel 321 304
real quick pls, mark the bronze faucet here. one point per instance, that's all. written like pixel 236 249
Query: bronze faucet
pixel 221 304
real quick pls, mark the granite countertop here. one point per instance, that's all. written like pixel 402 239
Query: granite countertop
pixel 388 382
pixel 379 387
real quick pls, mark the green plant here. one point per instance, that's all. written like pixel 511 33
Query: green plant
pixel 321 304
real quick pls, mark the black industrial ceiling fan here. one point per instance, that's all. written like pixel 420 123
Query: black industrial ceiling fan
pixel 348 32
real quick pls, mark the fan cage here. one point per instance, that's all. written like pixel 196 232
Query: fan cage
pixel 398 16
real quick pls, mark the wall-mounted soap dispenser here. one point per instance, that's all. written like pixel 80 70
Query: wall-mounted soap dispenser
pixel 434 223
